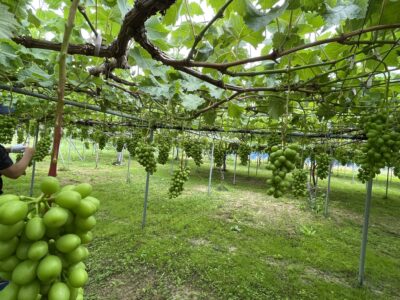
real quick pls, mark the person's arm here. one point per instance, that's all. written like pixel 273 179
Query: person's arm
pixel 18 169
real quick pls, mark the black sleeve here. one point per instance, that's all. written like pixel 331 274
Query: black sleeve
pixel 5 160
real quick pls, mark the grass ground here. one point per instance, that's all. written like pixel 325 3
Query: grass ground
pixel 234 244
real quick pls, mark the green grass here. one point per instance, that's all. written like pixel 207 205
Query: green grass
pixel 236 244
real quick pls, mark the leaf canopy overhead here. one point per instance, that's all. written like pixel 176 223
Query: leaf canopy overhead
pixel 222 63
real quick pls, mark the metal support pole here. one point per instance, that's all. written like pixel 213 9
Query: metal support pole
pixel 234 172
pixel 328 190
pixel 248 165
pixel 387 183
pixel 128 175
pixel 69 152
pixel 211 168
pixel 97 155
pixel 365 233
pixel 62 158
pixel 34 162
pixel 353 167
pixel 73 144
pixel 146 191
pixel 257 163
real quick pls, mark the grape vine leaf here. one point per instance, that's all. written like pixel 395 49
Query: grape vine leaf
pixel 334 16
pixel 8 24
pixel 191 102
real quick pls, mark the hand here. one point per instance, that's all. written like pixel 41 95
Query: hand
pixel 29 151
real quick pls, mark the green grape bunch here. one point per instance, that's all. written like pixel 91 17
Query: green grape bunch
pixel 7 129
pixel 164 146
pixel 132 143
pixel 194 150
pixel 20 135
pixel 299 184
pixel 383 144
pixel 42 148
pixel 43 241
pixel 244 151
pixel 178 179
pixel 219 154
pixel 100 138
pixel 120 144
pixel 145 157
pixel 323 162
pixel 282 160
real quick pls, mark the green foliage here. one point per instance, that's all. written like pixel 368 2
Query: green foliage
pixel 8 24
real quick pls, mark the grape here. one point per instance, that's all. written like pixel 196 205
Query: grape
pixel 244 152
pixel 219 155
pixel 164 146
pixel 132 144
pixel 42 262
pixel 20 135
pixel 323 162
pixel 7 129
pixel 100 138
pixel 120 144
pixel 194 150
pixel 42 149
pixel 382 146
pixel 145 157
pixel 178 179
pixel 282 161
pixel 299 184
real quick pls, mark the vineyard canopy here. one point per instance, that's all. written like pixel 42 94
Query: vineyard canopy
pixel 305 65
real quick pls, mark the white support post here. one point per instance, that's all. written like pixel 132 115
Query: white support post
pixel 365 233
pixel 211 168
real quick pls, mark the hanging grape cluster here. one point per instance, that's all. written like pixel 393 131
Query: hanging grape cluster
pixel 281 162
pixel 42 148
pixel 323 162
pixel 383 144
pixel 343 155
pixel 164 146
pixel 43 241
pixel 244 152
pixel 7 129
pixel 194 150
pixel 178 179
pixel 131 146
pixel 145 157
pixel 299 184
pixel 101 138
pixel 120 144
pixel 219 155
pixel 20 135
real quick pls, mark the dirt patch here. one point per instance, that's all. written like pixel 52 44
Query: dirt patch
pixel 145 284
pixel 199 242
pixel 258 210
pixel 307 271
